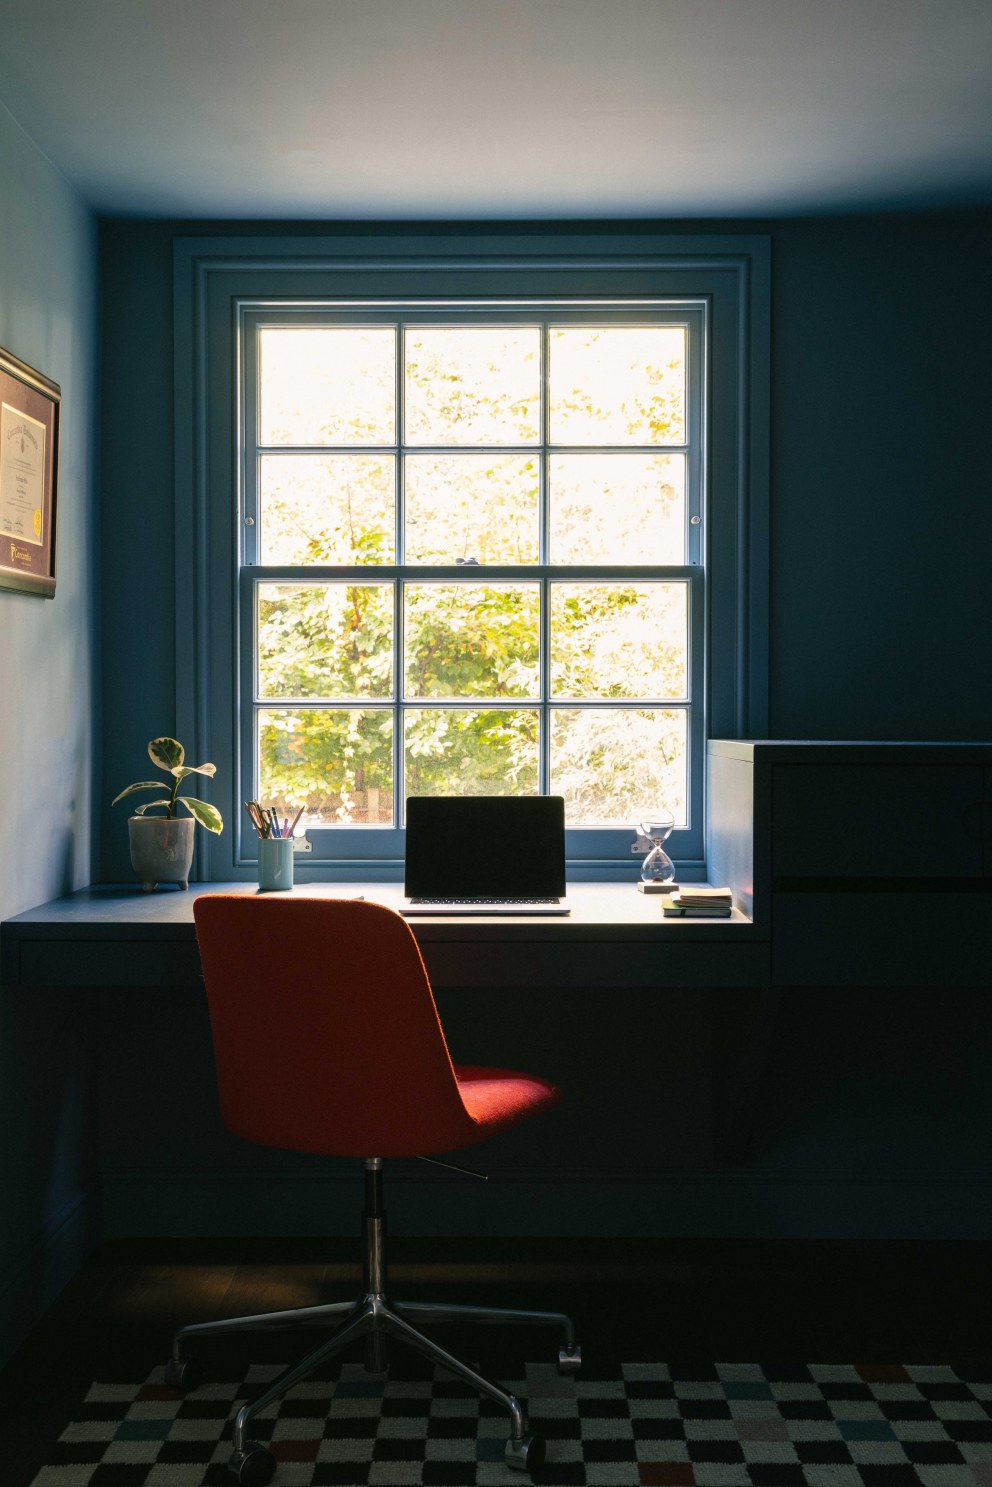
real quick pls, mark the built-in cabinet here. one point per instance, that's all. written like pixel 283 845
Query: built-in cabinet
pixel 867 864
pixel 867 867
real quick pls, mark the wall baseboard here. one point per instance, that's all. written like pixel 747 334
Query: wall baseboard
pixel 152 1204
pixel 43 1268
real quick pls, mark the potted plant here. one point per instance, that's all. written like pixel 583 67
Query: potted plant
pixel 162 846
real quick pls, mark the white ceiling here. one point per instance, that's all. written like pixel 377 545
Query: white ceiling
pixel 421 109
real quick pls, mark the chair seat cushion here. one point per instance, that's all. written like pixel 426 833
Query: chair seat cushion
pixel 499 1098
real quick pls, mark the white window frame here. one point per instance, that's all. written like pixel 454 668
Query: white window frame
pixel 222 286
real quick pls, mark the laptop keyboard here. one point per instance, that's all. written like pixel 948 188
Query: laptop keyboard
pixel 496 902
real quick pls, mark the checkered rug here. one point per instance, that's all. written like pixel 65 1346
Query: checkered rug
pixel 639 1425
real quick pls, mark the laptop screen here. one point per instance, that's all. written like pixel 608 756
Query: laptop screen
pixel 485 846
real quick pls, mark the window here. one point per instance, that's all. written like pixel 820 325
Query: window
pixel 480 522
pixel 472 562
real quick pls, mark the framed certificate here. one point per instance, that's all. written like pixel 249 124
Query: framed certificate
pixel 30 408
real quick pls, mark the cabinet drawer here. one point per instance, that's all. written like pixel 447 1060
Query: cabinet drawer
pixel 604 965
pixel 109 963
pixel 881 939
pixel 876 820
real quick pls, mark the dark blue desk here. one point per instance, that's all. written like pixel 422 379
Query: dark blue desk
pixel 120 936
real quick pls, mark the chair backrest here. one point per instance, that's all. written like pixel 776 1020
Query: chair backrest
pixel 326 1037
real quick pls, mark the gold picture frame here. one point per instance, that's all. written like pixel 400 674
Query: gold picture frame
pixel 30 415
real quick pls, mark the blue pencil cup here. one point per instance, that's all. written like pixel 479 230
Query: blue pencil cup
pixel 275 863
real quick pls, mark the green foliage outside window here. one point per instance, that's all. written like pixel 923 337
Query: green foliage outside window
pixel 329 660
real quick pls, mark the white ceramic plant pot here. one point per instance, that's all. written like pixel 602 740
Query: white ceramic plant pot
pixel 161 850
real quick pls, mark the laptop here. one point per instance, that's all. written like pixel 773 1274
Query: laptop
pixel 485 854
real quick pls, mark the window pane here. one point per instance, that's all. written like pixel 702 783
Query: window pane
pixel 622 384
pixel 473 385
pixel 326 508
pixel 619 640
pixel 464 506
pixel 458 751
pixel 337 764
pixel 471 639
pixel 325 640
pixel 614 766
pixel 323 384
pixel 617 508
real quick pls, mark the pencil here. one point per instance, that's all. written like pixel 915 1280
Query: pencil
pixel 257 818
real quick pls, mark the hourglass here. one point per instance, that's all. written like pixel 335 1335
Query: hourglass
pixel 657 866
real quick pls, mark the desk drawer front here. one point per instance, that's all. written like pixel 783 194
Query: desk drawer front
pixel 878 820
pixel 603 964
pixel 882 939
pixel 109 963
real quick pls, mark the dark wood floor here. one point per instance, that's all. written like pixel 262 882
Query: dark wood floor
pixel 667 1301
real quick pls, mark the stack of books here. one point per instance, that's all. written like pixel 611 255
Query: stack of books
pixel 699 903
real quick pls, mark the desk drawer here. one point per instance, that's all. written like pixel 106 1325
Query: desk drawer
pixel 881 939
pixel 876 820
pixel 109 963
pixel 595 964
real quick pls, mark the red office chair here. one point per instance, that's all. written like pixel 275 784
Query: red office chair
pixel 326 1039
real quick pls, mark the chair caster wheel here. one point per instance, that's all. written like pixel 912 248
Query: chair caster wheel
pixel 186 1374
pixel 252 1467
pixel 525 1454
pixel 570 1359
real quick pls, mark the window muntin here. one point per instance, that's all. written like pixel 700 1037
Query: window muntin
pixel 472 385
pixel 460 507
pixel 472 751
pixel 619 640
pixel 317 508
pixel 610 508
pixel 325 640
pixel 463 640
pixel 511 465
pixel 339 759
pixel 617 384
pixel 647 748
pixel 326 385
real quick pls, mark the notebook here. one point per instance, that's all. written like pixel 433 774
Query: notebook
pixel 485 854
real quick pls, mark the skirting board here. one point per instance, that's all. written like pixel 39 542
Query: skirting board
pixel 35 1277
pixel 147 1204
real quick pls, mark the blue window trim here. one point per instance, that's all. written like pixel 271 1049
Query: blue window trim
pixel 214 277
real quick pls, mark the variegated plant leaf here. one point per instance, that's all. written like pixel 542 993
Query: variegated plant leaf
pixel 150 805
pixel 207 815
pixel 182 770
pixel 141 785
pixel 166 753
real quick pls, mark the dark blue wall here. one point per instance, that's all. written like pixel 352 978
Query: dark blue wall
pixel 880 522
pixel 881 526
pixel 49 716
